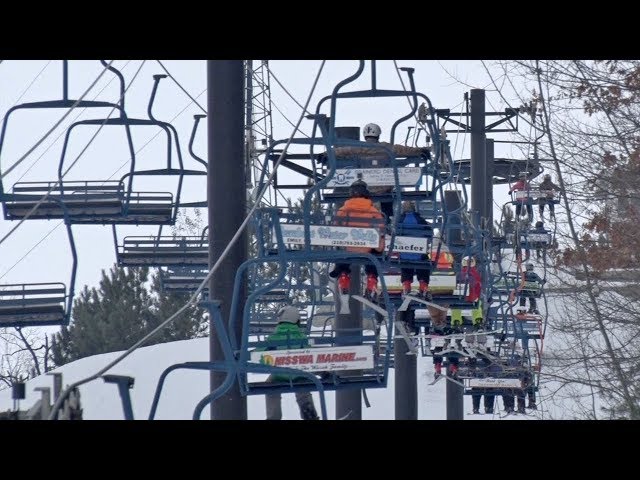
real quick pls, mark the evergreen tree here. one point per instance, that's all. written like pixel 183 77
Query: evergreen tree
pixel 120 312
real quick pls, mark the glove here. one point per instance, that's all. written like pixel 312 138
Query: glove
pixel 426 153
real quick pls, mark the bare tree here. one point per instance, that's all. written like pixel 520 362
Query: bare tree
pixel 25 354
pixel 589 113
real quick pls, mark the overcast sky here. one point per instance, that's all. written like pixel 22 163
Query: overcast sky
pixel 443 81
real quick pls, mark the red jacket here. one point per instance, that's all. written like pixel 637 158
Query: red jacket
pixel 475 283
pixel 520 185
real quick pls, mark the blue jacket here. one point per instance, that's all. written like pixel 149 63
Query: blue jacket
pixel 412 221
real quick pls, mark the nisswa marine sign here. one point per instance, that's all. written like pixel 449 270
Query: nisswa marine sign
pixel 376 177
pixel 320 359
pixel 329 236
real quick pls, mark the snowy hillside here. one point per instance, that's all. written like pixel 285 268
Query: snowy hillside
pixel 183 389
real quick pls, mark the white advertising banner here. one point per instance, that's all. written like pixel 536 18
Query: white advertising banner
pixel 539 237
pixel 533 194
pixel 376 177
pixel 319 359
pixel 531 237
pixel 408 244
pixel 330 236
pixel 442 280
pixel 495 382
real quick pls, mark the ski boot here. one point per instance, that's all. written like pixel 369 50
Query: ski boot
pixel 406 288
pixel 437 367
pixel 424 291
pixel 344 282
pixel 371 292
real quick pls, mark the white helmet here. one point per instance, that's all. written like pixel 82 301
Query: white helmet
pixel 371 130
pixel 465 261
pixel 288 314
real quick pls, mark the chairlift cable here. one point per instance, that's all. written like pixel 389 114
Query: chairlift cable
pixel 213 269
pixel 86 92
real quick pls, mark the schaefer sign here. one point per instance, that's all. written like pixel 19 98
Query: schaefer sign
pixel 408 244
pixel 330 236
pixel 318 359
pixel 376 177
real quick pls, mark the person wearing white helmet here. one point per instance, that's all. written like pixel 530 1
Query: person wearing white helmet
pixel 374 157
pixel 371 132
pixel 548 188
pixel 288 334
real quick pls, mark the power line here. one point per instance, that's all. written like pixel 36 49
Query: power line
pixel 2 175
pixel 181 87
pixel 157 133
pixel 62 132
pixel 223 255
pixel 30 250
pixel 286 118
pixel 29 86
pixel 285 90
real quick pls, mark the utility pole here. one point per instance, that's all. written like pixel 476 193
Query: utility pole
pixel 478 154
pixel 489 194
pixel 349 401
pixel 479 171
pixel 405 367
pixel 226 186
pixel 479 189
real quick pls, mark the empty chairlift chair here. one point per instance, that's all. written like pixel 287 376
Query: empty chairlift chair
pixel 39 304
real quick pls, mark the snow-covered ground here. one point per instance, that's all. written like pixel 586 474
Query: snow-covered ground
pixel 184 389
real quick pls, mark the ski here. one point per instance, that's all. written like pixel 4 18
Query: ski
pixel 451 379
pixel 435 380
pixel 402 330
pixel 459 336
pixel 344 417
pixel 482 352
pixel 344 304
pixel 462 353
pixel 371 305
pixel 405 304
pixel 410 298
